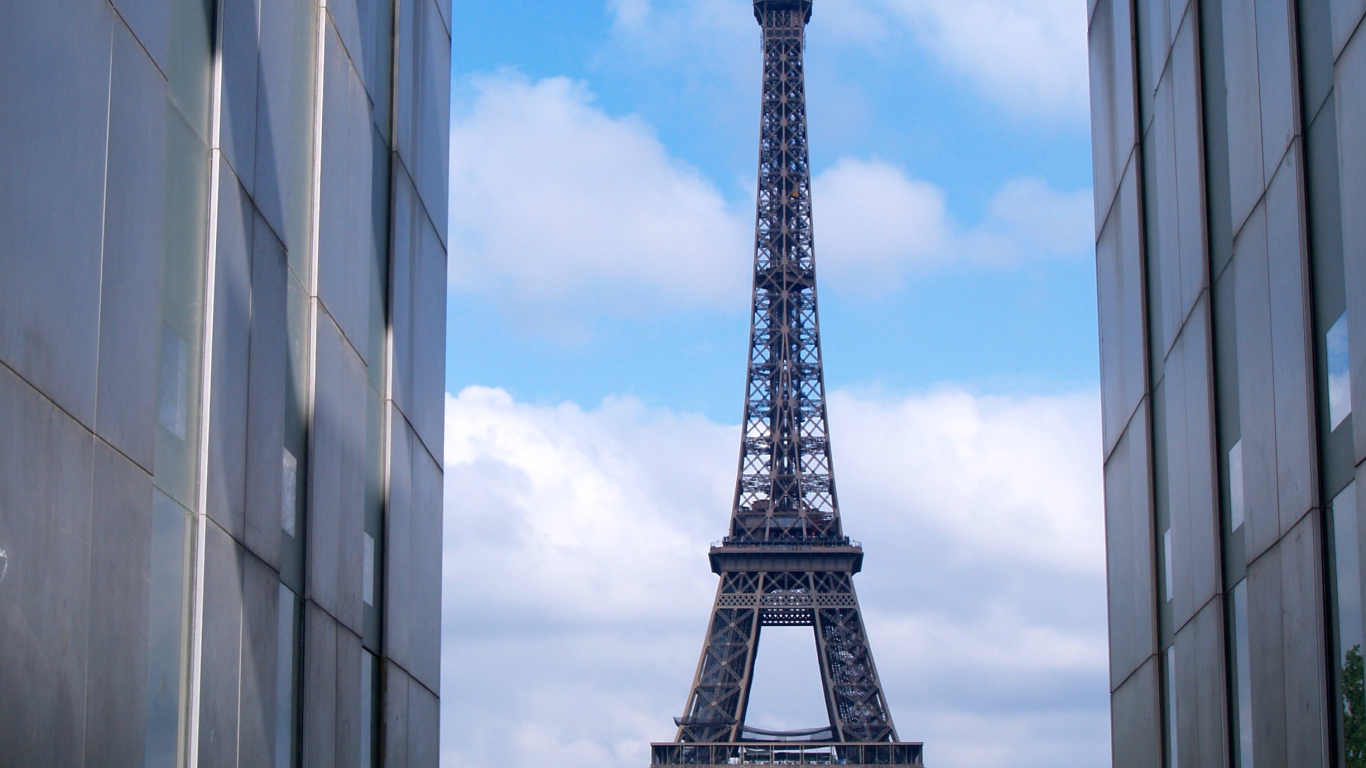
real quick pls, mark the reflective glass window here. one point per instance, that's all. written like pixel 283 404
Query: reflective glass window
pixel 286 698
pixel 289 493
pixel 1339 373
pixel 166 631
pixel 1240 670
pixel 1347 589
pixel 369 708
pixel 1169 682
pixel 1235 485
pixel 1167 562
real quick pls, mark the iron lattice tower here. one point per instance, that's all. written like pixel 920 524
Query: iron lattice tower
pixel 785 560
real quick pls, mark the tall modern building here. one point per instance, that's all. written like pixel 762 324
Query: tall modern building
pixel 222 314
pixel 1230 187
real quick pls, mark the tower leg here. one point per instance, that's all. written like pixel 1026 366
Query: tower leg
pixel 853 692
pixel 720 690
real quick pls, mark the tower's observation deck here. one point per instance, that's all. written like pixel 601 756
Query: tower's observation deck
pixel 785 560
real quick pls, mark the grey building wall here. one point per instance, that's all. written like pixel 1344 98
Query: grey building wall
pixel 1230 190
pixel 222 319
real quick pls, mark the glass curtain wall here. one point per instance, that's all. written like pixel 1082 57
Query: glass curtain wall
pixel 175 501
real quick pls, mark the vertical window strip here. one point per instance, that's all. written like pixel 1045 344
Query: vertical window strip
pixel 1167 562
pixel 1237 512
pixel 1339 373
pixel 1345 530
pixel 1169 680
pixel 1240 688
pixel 286 681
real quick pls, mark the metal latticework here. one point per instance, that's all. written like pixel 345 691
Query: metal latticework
pixel 785 560
pixel 785 490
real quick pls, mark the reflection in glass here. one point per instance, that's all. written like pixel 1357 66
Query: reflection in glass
pixel 166 631
pixel 1345 530
pixel 285 706
pixel 368 571
pixel 175 368
pixel 1235 485
pixel 185 214
pixel 289 494
pixel 294 496
pixel 1241 668
pixel 1339 373
pixel 373 571
pixel 1167 561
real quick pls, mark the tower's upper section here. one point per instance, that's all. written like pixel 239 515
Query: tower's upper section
pixel 785 492
pixel 802 6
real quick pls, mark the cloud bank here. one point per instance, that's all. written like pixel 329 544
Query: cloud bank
pixel 550 196
pixel 1027 56
pixel 577 590
pixel 557 205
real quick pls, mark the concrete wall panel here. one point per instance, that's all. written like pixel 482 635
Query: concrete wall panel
pixel 130 279
pixel 1113 120
pixel 49 299
pixel 46 475
pixel 221 654
pixel 260 649
pixel 338 469
pixel 268 386
pixel 1129 548
pixel 120 561
pixel 1256 391
pixel 1288 274
pixel 1306 691
pixel 424 85
pixel 320 688
pixel 239 22
pixel 395 708
pixel 1246 180
pixel 1119 275
pixel 1136 714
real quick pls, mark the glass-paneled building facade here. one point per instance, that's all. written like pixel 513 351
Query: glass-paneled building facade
pixel 222 335
pixel 1230 189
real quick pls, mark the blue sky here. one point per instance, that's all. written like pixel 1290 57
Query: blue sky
pixel 602 208
pixel 873 94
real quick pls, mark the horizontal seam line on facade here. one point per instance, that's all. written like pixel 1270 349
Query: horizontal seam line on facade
pixel 1181 328
pixel 308 598
pixel 1114 198
pixel 1127 423
pixel 1355 29
pixel 141 45
pixel 246 548
pixel 410 674
pixel 440 463
pixel 445 246
pixel 1134 671
pixel 1199 609
pixel 1266 185
pixel 350 59
pixel 57 406
pixel 1280 537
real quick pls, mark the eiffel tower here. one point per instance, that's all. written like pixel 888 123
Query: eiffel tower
pixel 786 561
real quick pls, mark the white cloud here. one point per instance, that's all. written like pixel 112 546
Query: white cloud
pixel 551 197
pixel 577 590
pixel 565 213
pixel 874 223
pixel 1029 55
pixel 871 220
